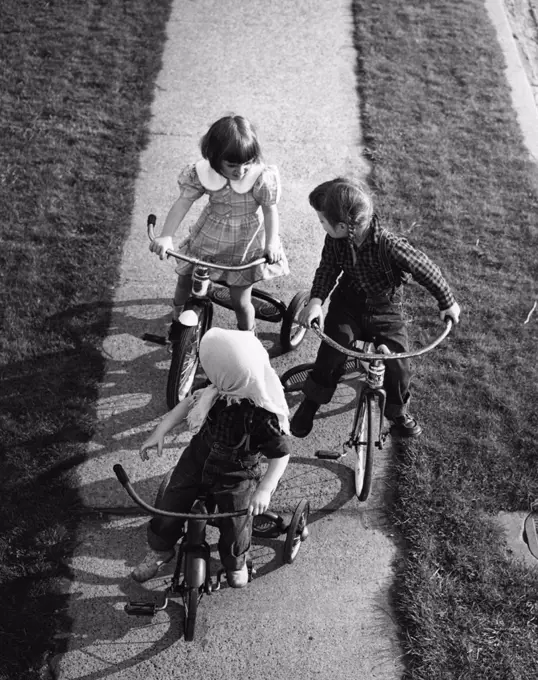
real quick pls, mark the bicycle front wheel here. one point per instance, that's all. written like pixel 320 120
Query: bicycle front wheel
pixel 363 441
pixel 191 600
pixel 184 362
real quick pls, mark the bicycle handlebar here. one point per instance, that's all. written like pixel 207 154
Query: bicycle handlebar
pixel 152 220
pixel 126 483
pixel 370 357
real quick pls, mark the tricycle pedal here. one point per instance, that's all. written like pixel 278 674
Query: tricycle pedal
pixel 157 339
pixel 267 525
pixel 141 608
pixel 329 455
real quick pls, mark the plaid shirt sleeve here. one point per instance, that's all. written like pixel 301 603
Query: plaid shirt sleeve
pixel 423 270
pixel 273 443
pixel 327 272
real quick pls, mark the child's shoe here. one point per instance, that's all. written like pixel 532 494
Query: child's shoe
pixel 405 426
pixel 238 578
pixel 151 564
pixel 303 419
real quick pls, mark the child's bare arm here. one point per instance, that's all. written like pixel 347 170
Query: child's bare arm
pixel 273 247
pixel 268 483
pixel 170 420
pixel 174 218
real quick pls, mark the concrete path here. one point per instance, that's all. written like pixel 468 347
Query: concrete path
pixel 289 68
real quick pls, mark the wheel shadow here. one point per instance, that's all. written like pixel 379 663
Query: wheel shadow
pixel 126 408
pixel 120 541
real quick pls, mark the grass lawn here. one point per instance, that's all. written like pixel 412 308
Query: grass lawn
pixel 77 82
pixel 449 171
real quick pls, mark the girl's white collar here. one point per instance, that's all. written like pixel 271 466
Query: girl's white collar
pixel 210 179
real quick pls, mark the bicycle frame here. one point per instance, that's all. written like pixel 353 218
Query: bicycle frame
pixel 200 276
pixel 197 316
pixel 375 373
pixel 371 390
pixel 194 551
pixel 373 384
pixel 194 554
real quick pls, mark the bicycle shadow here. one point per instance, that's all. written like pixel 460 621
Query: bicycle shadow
pixel 127 407
pixel 115 544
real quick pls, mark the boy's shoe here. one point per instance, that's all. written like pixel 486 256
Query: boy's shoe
pixel 151 564
pixel 238 578
pixel 405 426
pixel 303 419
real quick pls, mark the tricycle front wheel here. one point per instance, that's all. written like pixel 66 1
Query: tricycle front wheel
pixel 363 438
pixel 185 360
pixel 191 600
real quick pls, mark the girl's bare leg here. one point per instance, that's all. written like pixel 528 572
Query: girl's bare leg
pixel 241 297
pixel 183 290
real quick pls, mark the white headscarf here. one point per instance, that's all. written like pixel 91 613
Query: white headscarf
pixel 237 364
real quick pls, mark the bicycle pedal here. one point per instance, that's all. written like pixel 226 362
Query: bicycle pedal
pixel 218 580
pixel 329 455
pixel 141 608
pixel 157 339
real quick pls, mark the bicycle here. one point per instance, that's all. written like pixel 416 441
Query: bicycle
pixel 193 556
pixel 367 433
pixel 186 333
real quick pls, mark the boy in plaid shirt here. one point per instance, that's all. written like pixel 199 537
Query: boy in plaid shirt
pixel 366 303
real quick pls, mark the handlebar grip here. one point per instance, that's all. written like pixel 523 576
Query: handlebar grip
pixel 121 474
pixel 152 221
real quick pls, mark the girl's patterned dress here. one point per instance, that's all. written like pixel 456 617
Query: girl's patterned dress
pixel 230 229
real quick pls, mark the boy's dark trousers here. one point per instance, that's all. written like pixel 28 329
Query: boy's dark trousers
pixel 230 483
pixel 352 317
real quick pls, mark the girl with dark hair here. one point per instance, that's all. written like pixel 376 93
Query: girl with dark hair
pixel 240 221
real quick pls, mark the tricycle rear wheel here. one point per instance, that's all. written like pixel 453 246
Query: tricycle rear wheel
pixel 291 333
pixel 297 531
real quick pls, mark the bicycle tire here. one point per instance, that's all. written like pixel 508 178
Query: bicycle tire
pixel 296 531
pixel 291 333
pixel 363 438
pixel 184 363
pixel 191 600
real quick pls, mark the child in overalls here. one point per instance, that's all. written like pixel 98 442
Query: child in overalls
pixel 239 417
pixel 366 303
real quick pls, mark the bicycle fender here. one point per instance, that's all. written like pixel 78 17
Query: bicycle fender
pixel 195 571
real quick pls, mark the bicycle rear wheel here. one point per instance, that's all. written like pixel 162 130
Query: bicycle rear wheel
pixel 363 441
pixel 185 360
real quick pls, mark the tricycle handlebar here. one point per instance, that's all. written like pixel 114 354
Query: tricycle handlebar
pixel 371 357
pixel 152 220
pixel 126 483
